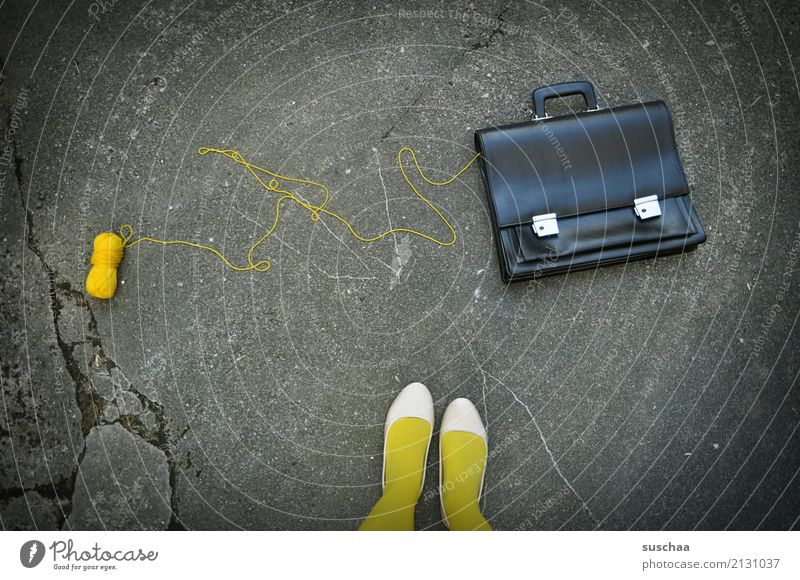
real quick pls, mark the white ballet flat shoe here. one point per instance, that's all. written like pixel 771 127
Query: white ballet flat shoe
pixel 413 401
pixel 460 415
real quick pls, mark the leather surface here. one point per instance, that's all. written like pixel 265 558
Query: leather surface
pixel 581 163
pixel 587 168
pixel 620 238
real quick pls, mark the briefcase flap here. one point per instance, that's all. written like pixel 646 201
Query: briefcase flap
pixel 581 163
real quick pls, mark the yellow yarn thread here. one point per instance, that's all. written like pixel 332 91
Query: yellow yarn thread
pixel 109 248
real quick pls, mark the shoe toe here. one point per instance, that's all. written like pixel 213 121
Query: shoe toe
pixel 461 415
pixel 413 401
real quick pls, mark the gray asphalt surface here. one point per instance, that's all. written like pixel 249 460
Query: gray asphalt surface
pixel 661 394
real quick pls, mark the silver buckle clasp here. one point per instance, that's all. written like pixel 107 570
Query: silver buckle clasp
pixel 647 207
pixel 545 225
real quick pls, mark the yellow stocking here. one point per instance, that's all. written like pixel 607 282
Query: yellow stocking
pixel 406 448
pixel 463 465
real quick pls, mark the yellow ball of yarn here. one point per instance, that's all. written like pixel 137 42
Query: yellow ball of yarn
pixel 102 279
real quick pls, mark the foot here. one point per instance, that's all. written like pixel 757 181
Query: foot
pixel 407 438
pixel 463 451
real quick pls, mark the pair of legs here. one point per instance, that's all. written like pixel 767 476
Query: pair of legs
pixel 463 450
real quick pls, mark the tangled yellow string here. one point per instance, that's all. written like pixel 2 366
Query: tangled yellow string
pixel 275 184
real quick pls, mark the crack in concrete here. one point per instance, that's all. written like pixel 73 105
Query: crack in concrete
pixel 549 452
pixel 547 449
pixel 63 489
pixel 159 436
pixel 90 405
pixel 484 374
pixel 387 133
pixel 59 493
pixel 494 32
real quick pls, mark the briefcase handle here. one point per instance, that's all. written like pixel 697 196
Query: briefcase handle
pixel 541 94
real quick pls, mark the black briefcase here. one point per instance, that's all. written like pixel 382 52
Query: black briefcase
pixel 597 187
